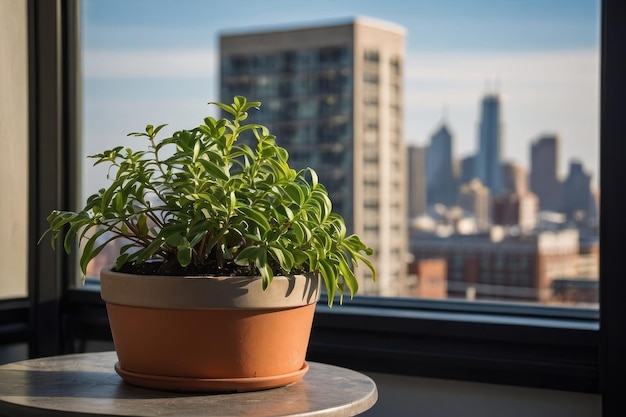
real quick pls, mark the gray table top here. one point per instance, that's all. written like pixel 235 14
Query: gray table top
pixel 86 384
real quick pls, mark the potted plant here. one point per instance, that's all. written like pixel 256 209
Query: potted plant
pixel 222 247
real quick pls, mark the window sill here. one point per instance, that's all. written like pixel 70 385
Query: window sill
pixel 521 345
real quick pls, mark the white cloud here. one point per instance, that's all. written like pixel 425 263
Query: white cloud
pixel 453 66
pixel 200 63
pixel 456 74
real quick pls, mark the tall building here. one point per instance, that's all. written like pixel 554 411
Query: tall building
pixel 514 179
pixel 333 97
pixel 515 205
pixel 490 143
pixel 468 169
pixel 544 172
pixel 441 187
pixel 416 180
pixel 475 198
pixel 578 198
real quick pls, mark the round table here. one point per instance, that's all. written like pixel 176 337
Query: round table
pixel 88 385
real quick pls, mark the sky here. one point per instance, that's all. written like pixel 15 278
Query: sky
pixel 156 61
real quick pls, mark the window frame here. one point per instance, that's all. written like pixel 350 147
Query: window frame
pixel 612 335
pixel 535 346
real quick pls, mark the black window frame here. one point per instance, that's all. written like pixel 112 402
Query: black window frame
pixel 525 345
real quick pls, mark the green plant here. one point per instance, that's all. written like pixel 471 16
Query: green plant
pixel 201 201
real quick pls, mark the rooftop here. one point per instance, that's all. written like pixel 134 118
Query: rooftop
pixel 288 27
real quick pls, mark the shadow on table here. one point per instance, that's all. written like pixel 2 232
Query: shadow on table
pixel 78 384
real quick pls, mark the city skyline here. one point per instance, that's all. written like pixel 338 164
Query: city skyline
pixel 561 172
pixel 444 174
pixel 156 62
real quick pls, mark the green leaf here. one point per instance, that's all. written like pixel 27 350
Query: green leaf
pixel 121 260
pixel 255 216
pixel 348 275
pixel 330 279
pixel 296 234
pixel 266 274
pixel 157 129
pixel 249 254
pixel 284 258
pixel 142 224
pixel 89 252
pixel 252 104
pixel 225 107
pixel 196 151
pixel 285 211
pixel 247 127
pixel 176 240
pixel 213 169
pixel 70 237
pixel 314 178
pixel 147 252
pixel 184 255
pixel 368 263
pixel 239 102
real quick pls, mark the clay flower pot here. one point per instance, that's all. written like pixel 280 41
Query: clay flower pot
pixel 210 333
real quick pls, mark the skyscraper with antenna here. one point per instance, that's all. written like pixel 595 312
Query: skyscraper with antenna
pixel 489 155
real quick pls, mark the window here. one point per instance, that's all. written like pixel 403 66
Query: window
pixel 539 346
pixel 377 64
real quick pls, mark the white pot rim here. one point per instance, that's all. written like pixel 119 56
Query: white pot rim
pixel 207 292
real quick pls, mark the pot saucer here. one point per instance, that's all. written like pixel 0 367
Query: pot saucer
pixel 173 383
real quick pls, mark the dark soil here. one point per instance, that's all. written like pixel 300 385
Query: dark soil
pixel 210 269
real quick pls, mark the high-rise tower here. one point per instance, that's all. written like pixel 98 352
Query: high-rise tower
pixel 578 199
pixel 332 95
pixel 440 182
pixel 544 180
pixel 488 158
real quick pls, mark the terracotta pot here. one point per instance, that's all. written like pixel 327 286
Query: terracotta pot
pixel 210 333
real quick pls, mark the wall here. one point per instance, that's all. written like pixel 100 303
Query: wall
pixel 14 146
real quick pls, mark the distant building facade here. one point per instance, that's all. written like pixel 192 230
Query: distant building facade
pixel 514 180
pixel 501 267
pixel 416 180
pixel 332 95
pixel 515 206
pixel 475 198
pixel 429 277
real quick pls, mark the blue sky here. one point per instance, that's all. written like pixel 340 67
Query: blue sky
pixel 449 24
pixel 155 61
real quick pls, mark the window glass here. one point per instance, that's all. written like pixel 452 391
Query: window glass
pixel 14 157
pixel 460 139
